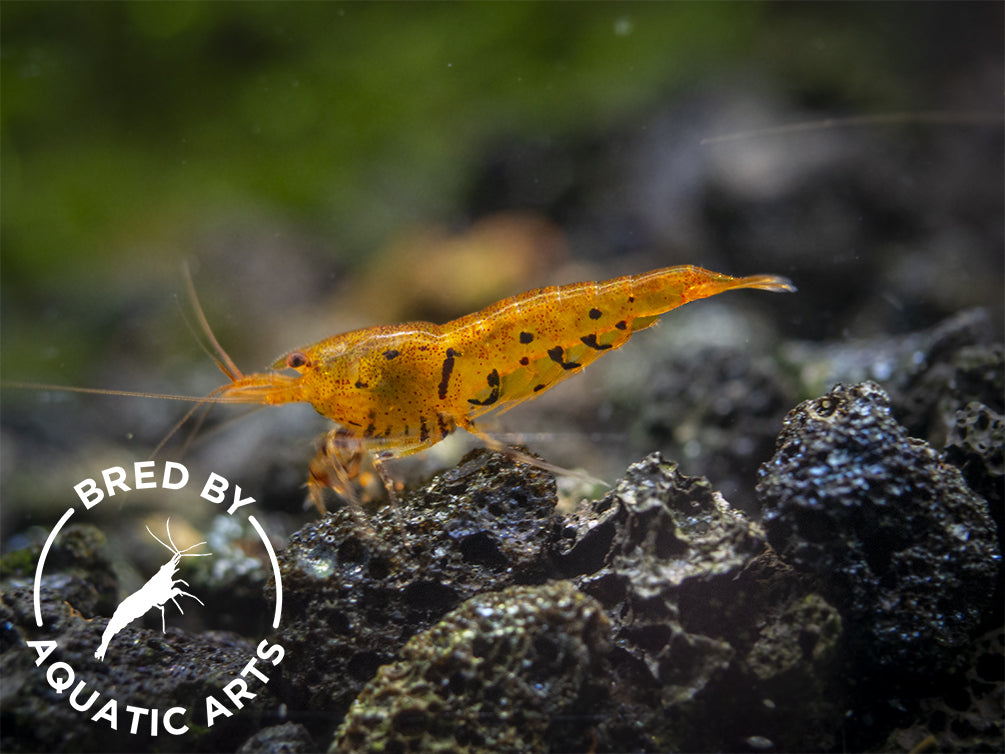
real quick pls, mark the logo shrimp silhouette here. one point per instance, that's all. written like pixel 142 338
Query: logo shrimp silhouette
pixel 161 587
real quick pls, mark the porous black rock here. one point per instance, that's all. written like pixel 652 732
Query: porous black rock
pixel 705 618
pixel 957 362
pixel 976 445
pixel 965 715
pixel 513 671
pixel 357 587
pixel 148 669
pixel 901 544
pixel 77 569
pixel 287 738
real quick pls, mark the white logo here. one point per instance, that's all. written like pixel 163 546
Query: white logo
pixel 161 587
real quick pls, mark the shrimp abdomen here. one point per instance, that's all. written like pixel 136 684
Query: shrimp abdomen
pixel 523 345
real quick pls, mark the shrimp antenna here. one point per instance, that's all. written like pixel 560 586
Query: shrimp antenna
pixel 217 352
pixel 968 118
pixel 20 385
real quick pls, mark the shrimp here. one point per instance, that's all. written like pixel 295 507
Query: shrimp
pixel 395 390
pixel 161 587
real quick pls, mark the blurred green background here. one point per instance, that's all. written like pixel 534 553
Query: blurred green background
pixel 130 130
pixel 283 148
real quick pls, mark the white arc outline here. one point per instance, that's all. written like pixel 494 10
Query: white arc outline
pixel 275 569
pixel 41 562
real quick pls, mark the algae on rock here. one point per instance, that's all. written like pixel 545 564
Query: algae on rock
pixel 513 671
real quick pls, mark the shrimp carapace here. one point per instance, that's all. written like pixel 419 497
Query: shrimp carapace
pixel 397 389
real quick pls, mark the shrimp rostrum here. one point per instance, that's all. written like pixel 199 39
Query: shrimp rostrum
pixel 397 389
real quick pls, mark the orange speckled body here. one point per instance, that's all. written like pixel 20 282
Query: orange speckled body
pixel 397 389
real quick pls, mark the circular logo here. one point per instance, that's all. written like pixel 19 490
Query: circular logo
pixel 162 590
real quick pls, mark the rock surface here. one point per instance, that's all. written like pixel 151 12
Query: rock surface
pixel 357 589
pixel 905 548
pixel 518 670
pixel 704 617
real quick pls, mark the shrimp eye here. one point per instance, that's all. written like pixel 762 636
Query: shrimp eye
pixel 296 360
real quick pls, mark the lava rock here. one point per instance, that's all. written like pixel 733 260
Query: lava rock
pixel 704 618
pixel 956 362
pixel 903 547
pixel 288 738
pixel 976 445
pixel 946 385
pixel 966 716
pixel 929 375
pixel 356 590
pixel 77 569
pixel 159 671
pixel 514 671
pixel 703 615
pixel 672 546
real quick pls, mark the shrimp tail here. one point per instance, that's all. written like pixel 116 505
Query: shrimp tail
pixel 774 283
pixel 659 291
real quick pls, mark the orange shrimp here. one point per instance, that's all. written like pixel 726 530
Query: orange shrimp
pixel 398 389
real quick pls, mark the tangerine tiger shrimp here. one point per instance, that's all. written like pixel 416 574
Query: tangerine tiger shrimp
pixel 395 390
